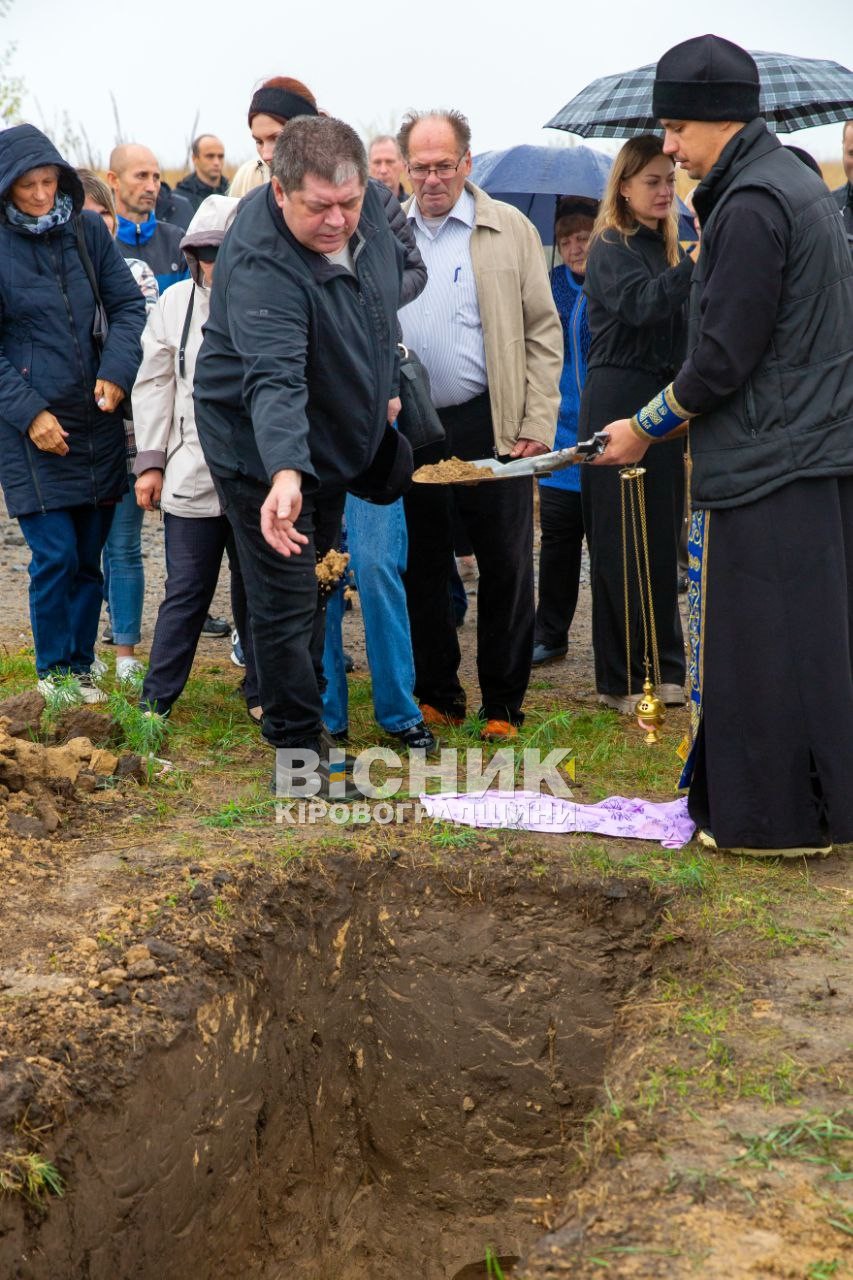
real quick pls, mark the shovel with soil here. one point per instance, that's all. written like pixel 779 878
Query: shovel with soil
pixel 460 471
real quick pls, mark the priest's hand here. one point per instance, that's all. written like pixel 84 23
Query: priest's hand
pixel 624 446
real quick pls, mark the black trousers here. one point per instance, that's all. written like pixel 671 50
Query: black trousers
pixel 287 612
pixel 664 489
pixel 498 520
pixel 774 755
pixel 194 549
pixel 561 525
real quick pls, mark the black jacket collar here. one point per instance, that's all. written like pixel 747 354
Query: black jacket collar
pixel 753 140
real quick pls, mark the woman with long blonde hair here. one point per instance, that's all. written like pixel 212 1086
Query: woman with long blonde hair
pixel 637 281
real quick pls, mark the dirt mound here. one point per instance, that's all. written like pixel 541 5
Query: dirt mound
pixel 36 780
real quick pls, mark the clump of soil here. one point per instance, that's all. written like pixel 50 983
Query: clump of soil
pixel 450 471
pixel 24 764
pixel 23 713
pixel 331 568
pixel 37 781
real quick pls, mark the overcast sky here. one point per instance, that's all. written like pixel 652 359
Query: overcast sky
pixel 508 67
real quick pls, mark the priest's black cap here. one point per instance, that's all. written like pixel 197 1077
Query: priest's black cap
pixel 706 78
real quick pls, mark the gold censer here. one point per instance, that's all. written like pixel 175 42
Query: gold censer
pixel 650 711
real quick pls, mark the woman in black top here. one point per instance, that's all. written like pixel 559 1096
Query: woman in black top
pixel 637 282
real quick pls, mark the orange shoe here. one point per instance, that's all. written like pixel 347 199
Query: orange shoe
pixel 498 731
pixel 431 715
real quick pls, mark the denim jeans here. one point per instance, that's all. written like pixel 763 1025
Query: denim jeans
pixel 124 580
pixel 194 547
pixel 378 548
pixel 287 613
pixel 66 584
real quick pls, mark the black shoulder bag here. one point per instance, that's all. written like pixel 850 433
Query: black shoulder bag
pixel 418 420
pixel 101 323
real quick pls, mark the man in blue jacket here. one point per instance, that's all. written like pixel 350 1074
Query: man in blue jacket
pixel 134 176
pixel 295 388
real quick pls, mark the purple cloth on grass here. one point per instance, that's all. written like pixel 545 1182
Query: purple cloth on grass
pixel 668 823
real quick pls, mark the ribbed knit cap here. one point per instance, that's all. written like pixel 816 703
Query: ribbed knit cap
pixel 706 78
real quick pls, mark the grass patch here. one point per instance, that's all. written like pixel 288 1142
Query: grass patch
pixel 447 836
pixel 243 811
pixel 494 1270
pixel 140 733
pixel 23 1173
pixel 821 1270
pixel 825 1140
pixel 17 670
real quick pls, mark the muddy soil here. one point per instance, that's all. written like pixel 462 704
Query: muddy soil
pixel 379 1077
pixel 266 1057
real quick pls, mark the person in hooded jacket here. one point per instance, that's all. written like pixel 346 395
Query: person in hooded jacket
pixel 71 317
pixel 172 475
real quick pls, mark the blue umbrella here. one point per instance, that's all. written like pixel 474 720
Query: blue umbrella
pixel 532 179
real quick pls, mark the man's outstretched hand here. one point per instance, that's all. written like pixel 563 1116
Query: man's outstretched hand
pixel 280 512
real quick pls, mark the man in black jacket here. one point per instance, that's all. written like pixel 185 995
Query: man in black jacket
pixel 207 178
pixel 295 387
pixel 768 390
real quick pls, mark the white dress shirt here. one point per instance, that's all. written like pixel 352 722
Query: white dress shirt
pixel 443 324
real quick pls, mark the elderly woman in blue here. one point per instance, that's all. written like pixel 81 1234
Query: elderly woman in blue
pixel 71 318
pixel 560 514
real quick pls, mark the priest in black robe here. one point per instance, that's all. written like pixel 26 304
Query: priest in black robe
pixel 766 395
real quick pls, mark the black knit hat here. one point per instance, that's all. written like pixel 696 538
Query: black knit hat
pixel 706 78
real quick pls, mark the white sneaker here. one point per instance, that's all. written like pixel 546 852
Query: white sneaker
pixel 129 671
pixel 89 691
pixel 60 691
pixel 98 669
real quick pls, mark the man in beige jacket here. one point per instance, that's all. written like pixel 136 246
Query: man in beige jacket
pixel 488 332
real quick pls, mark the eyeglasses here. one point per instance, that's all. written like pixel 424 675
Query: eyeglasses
pixel 420 172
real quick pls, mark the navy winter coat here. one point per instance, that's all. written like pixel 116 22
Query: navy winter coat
pixel 48 357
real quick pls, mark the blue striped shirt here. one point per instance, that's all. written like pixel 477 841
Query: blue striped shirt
pixel 443 324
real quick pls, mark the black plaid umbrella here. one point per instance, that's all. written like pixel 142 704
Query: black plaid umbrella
pixel 796 93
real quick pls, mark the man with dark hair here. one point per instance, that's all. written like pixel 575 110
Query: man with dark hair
pixel 207 178
pixel 134 176
pixel 844 193
pixel 487 329
pixel 768 393
pixel 295 389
